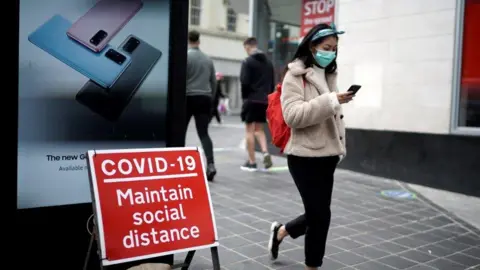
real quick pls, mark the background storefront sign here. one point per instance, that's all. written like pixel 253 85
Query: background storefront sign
pixel 315 12
pixel 70 100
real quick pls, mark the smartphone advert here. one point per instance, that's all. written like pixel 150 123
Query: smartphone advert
pixel 93 74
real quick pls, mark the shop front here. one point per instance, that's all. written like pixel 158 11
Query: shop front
pixel 416 118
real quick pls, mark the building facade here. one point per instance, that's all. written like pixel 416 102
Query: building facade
pixel 417 116
pixel 223 30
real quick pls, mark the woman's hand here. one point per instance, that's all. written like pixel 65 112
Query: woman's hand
pixel 344 97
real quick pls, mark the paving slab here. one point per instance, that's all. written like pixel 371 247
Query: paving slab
pixel 376 223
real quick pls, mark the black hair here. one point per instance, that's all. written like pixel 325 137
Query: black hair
pixel 251 41
pixel 304 52
pixel 193 36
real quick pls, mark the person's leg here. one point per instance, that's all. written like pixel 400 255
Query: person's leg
pixel 259 117
pixel 215 110
pixel 217 116
pixel 250 142
pixel 260 136
pixel 316 195
pixel 259 112
pixel 188 116
pixel 262 141
pixel 202 115
pixel 201 122
pixel 296 227
pixel 247 117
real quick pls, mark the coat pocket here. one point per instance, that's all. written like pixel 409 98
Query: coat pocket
pixel 312 137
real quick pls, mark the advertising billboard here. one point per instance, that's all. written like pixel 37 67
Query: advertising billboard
pixel 93 74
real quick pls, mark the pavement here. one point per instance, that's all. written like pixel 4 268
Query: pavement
pixel 465 207
pixel 369 230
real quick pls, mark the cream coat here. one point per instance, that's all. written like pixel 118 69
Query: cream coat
pixel 312 112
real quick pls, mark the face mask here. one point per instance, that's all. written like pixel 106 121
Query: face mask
pixel 324 58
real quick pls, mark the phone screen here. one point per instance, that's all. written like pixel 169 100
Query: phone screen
pixel 354 88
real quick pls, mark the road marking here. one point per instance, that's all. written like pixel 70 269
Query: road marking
pixel 399 194
pixel 275 169
pixel 272 169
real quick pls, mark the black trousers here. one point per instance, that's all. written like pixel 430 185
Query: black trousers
pixel 314 179
pixel 215 112
pixel 200 107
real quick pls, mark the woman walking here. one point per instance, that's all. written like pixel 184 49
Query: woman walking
pixel 311 107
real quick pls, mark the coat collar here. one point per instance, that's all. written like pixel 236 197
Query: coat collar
pixel 297 68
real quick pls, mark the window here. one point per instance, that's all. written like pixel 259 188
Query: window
pixel 231 20
pixel 195 11
pixel 466 116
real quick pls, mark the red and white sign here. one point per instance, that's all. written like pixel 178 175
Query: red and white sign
pixel 150 202
pixel 315 12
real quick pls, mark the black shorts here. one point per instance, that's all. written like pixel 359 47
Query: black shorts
pixel 253 112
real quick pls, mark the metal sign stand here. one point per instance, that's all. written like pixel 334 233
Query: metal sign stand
pixel 89 253
pixel 188 260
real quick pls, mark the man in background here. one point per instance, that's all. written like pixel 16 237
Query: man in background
pixel 201 86
pixel 257 80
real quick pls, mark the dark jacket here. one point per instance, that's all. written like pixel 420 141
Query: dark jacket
pixel 257 78
pixel 218 95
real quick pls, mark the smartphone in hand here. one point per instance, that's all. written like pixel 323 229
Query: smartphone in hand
pixel 354 89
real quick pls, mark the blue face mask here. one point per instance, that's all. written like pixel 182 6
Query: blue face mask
pixel 324 58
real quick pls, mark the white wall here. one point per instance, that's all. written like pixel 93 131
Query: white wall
pixel 215 40
pixel 242 24
pixel 220 46
pixel 214 14
pixel 401 51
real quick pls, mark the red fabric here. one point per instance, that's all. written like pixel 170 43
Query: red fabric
pixel 279 130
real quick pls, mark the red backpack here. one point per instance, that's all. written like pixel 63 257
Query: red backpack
pixel 279 130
